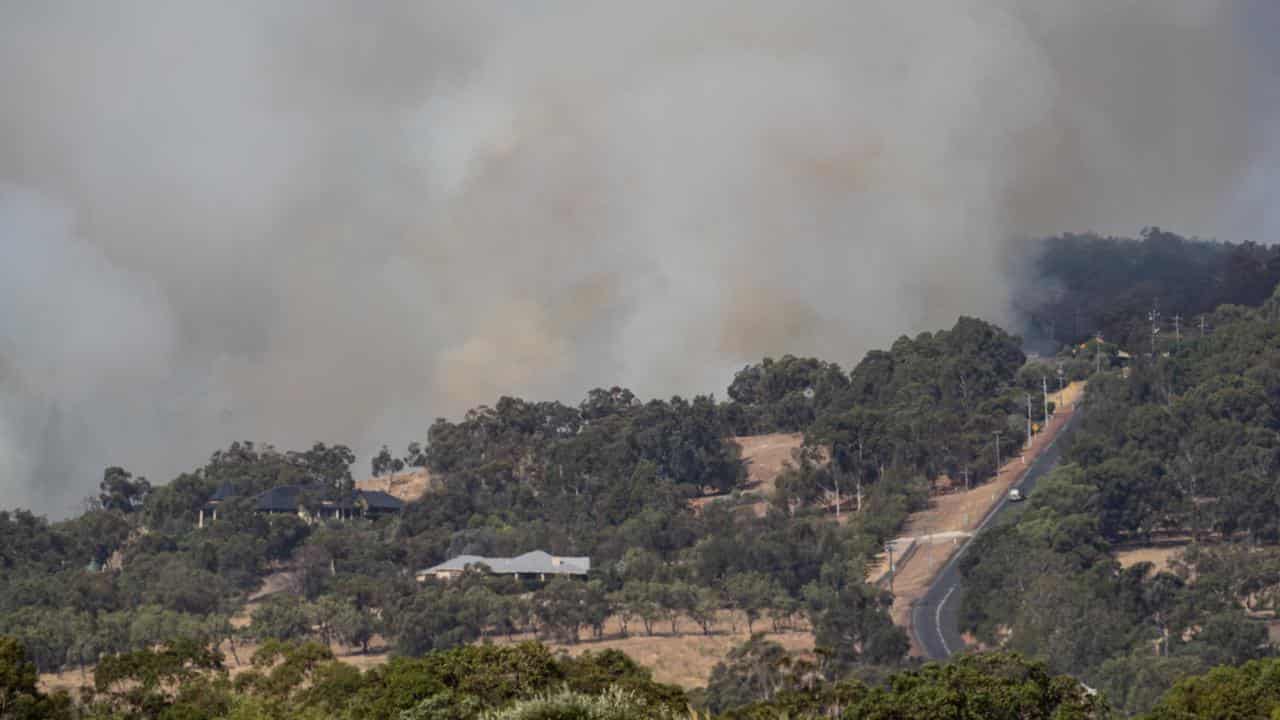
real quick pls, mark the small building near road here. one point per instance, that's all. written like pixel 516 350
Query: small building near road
pixel 535 564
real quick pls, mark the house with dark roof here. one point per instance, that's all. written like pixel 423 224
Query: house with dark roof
pixel 311 503
pixel 532 564
pixel 377 503
pixel 210 507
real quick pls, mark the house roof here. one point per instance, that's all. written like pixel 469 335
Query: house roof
pixel 536 562
pixel 379 500
pixel 223 492
pixel 287 498
pixel 283 498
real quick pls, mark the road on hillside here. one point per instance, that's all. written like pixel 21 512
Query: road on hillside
pixel 935 619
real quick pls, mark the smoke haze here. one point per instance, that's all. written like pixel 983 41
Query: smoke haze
pixel 330 221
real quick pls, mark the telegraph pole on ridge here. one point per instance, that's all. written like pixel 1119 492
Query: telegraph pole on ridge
pixel 1028 420
pixel 1044 386
pixel 888 547
pixel 997 433
pixel 1154 317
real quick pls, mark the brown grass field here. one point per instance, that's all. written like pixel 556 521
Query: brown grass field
pixel 686 658
pixel 683 659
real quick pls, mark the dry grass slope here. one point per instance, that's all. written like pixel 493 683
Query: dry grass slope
pixel 766 456
pixel 407 486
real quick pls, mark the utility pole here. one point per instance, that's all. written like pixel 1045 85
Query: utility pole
pixel 966 477
pixel 1044 386
pixel 836 477
pixel 1154 317
pixel 1201 326
pixel 997 433
pixel 888 547
pixel 860 466
pixel 1097 351
pixel 1028 420
pixel 1177 327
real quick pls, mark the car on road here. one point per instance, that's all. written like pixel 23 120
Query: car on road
pixel 1015 495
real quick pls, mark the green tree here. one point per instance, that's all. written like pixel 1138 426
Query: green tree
pixel 754 671
pixel 384 464
pixel 613 704
pixel 751 594
pixel 355 627
pixel 120 492
pixel 280 618
pixel 1251 690
pixel 563 608
pixel 19 696
pixel 852 623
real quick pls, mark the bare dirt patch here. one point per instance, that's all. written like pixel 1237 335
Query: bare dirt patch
pixel 766 456
pixel 407 486
pixel 1160 556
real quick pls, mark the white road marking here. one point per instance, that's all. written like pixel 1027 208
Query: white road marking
pixel 991 515
pixel 937 619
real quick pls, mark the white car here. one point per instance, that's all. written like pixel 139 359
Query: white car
pixel 1015 495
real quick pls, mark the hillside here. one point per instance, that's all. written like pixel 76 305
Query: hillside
pixel 1179 444
pixel 610 478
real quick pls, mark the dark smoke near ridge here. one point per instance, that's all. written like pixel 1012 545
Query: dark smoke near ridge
pixel 319 220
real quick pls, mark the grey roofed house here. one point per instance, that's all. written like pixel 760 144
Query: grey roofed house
pixel 536 562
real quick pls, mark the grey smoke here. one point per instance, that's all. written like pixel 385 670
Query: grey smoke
pixel 334 221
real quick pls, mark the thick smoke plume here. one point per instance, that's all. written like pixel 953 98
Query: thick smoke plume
pixel 323 220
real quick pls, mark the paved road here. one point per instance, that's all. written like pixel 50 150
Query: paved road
pixel 935 619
